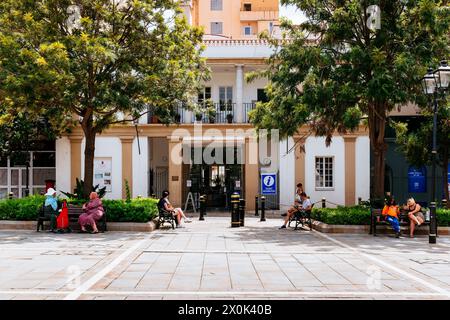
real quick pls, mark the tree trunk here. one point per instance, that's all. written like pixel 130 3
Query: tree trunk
pixel 89 153
pixel 377 127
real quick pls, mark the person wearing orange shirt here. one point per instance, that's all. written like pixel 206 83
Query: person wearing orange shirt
pixel 391 212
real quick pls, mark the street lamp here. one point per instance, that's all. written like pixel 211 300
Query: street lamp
pixel 435 83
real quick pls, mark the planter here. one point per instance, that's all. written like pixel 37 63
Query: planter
pixel 212 120
pixel 198 117
pixel 230 118
pixel 177 118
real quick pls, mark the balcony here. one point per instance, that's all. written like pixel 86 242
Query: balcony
pixel 262 15
pixel 221 112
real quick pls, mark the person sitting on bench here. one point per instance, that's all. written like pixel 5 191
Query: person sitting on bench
pixel 415 215
pixel 165 204
pixel 305 205
pixel 93 211
pixel 297 201
pixel 391 212
pixel 51 211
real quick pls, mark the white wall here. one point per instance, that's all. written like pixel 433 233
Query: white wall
pixel 315 146
pixel 109 148
pixel 362 168
pixel 287 174
pixel 63 165
pixel 140 167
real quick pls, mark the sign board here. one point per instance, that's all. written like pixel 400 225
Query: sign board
pixel 268 183
pixel 417 179
pixel 103 173
pixel 188 183
pixel 237 184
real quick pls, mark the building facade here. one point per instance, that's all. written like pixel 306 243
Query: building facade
pixel 155 157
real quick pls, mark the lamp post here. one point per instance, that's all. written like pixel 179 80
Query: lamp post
pixel 435 84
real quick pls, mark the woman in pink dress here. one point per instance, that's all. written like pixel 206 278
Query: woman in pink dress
pixel 93 211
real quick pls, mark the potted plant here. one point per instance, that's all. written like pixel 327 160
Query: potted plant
pixel 198 115
pixel 230 118
pixel 177 118
pixel 211 112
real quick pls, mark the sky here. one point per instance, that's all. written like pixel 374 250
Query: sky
pixel 292 13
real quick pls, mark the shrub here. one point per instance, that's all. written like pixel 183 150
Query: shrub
pixel 358 215
pixel 138 210
pixel 443 217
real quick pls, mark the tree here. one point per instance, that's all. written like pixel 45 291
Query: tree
pixel 338 67
pixel 91 60
pixel 416 142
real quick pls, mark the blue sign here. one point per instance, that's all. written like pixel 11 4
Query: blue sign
pixel 417 180
pixel 268 183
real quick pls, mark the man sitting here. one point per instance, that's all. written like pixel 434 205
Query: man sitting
pixel 297 202
pixel 306 205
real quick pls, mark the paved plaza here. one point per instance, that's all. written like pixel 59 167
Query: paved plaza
pixel 210 260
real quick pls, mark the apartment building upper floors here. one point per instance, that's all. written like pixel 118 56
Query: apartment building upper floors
pixel 233 19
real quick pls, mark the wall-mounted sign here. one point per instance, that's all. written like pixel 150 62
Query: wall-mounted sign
pixel 238 184
pixel 103 173
pixel 188 183
pixel 268 183
pixel 417 179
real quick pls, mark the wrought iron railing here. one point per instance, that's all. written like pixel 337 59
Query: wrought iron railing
pixel 247 108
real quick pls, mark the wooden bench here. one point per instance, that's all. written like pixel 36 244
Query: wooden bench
pixel 74 214
pixel 166 216
pixel 300 217
pixel 376 218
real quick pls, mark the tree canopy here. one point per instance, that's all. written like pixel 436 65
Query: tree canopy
pixel 93 60
pixel 339 67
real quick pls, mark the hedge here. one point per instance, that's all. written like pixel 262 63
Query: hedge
pixel 26 209
pixel 360 215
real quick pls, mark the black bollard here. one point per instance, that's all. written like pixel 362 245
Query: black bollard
pixel 263 208
pixel 11 195
pixel 202 208
pixel 324 203
pixel 444 203
pixel 256 206
pixel 242 212
pixel 235 223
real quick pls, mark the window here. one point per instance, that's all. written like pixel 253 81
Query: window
pixel 247 7
pixel 324 173
pixel 216 27
pixel 226 98
pixel 216 5
pixel 204 94
pixel 248 31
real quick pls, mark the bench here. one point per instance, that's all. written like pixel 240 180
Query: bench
pixel 376 218
pixel 74 214
pixel 300 217
pixel 166 216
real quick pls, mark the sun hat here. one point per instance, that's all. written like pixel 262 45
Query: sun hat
pixel 50 192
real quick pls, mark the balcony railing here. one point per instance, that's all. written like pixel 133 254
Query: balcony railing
pixel 219 112
pixel 259 15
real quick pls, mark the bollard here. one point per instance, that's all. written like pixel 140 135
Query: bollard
pixel 242 212
pixel 263 208
pixel 444 203
pixel 359 201
pixel 11 195
pixel 324 203
pixel 202 208
pixel 256 206
pixel 235 223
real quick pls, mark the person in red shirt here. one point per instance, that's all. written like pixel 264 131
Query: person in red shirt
pixel 391 212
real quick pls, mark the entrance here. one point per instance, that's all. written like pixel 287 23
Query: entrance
pixel 217 181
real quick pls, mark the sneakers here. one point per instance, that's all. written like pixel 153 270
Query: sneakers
pixel 188 220
pixel 180 226
pixel 397 234
pixel 282 227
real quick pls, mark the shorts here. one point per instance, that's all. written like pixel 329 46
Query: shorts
pixel 419 215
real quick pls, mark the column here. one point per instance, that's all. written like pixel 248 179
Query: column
pixel 75 160
pixel 127 163
pixel 300 163
pixel 239 112
pixel 251 172
pixel 175 170
pixel 350 170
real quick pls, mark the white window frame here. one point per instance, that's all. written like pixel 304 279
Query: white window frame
pixel 216 5
pixel 217 23
pixel 321 184
pixel 247 28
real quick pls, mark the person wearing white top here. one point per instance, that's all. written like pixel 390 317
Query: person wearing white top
pixel 306 205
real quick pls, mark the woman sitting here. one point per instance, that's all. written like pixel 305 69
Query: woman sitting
pixel 391 212
pixel 93 212
pixel 415 215
pixel 51 211
pixel 164 204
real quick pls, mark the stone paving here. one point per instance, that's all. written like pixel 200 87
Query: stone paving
pixel 210 260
